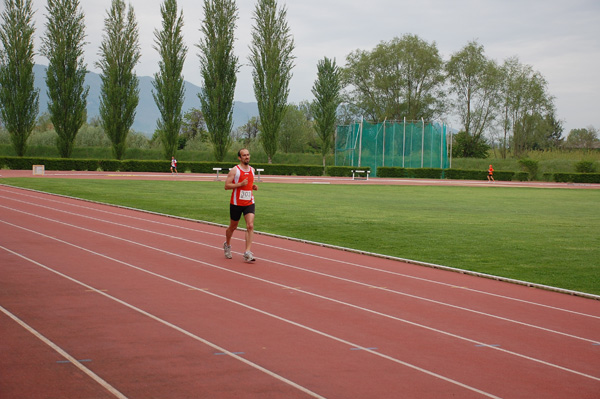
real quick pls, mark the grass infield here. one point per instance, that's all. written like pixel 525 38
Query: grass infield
pixel 544 236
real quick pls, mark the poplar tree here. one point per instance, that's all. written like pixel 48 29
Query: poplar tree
pixel 65 76
pixel 168 82
pixel 326 90
pixel 218 66
pixel 272 61
pixel 18 98
pixel 119 53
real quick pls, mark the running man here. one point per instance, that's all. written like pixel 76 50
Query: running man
pixel 240 179
pixel 173 165
pixel 491 174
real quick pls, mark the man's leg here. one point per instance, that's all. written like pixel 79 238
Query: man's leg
pixel 228 234
pixel 233 224
pixel 249 217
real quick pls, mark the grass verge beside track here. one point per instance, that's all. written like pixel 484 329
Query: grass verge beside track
pixel 544 236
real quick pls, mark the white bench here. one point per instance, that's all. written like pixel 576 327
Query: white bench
pixel 259 170
pixel 218 170
pixel 357 173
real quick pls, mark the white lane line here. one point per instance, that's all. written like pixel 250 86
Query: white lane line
pixel 286 249
pixel 462 308
pixel 63 353
pixel 435 330
pixel 156 318
pixel 214 346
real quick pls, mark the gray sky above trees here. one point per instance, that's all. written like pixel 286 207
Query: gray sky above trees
pixel 558 38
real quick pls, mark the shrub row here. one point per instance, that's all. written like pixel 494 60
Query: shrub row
pixel 577 177
pixel 269 169
pixel 424 173
pixel 26 163
pixel 457 174
pixel 343 171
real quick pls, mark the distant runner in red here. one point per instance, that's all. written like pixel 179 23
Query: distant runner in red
pixel 240 179
pixel 491 174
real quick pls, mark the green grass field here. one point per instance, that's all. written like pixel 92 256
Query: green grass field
pixel 545 236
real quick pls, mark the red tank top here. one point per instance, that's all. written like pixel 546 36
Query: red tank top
pixel 243 196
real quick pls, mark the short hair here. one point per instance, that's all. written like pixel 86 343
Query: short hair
pixel 240 151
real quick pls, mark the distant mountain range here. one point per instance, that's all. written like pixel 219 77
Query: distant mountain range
pixel 147 112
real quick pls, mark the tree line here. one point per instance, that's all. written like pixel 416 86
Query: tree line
pixel 402 78
pixel 271 57
pixel 407 78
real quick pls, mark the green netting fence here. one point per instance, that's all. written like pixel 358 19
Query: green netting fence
pixel 397 144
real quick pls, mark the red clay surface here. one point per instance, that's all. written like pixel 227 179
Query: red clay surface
pixel 104 302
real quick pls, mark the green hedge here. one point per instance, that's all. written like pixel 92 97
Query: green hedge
pixel 343 171
pixel 455 174
pixel 22 163
pixel 500 175
pixel 577 177
pixel 26 163
pixel 112 165
pixel 289 170
pixel 420 173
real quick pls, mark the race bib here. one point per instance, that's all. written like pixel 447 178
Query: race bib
pixel 246 195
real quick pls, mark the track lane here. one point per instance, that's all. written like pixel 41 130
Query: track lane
pixel 215 253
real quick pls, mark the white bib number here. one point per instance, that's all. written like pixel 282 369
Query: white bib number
pixel 245 195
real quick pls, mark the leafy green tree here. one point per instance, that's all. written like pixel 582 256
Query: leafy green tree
pixel 465 147
pixel 272 62
pixel 169 90
pixel 475 82
pixel 296 130
pixel 43 123
pixel 19 100
pixel 326 90
pixel 119 53
pixel 524 95
pixel 544 132
pixel 193 125
pixel 249 131
pixel 307 108
pixel 400 78
pixel 348 113
pixel 366 96
pixel 586 166
pixel 531 166
pixel 583 138
pixel 65 76
pixel 553 133
pixel 218 65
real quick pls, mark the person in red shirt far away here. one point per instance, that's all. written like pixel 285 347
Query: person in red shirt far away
pixel 491 174
pixel 240 180
pixel 173 165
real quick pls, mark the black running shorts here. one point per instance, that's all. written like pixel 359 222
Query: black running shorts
pixel 236 211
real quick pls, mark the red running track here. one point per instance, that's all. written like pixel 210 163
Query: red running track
pixel 103 302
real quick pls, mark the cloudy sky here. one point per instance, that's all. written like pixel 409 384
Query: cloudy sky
pixel 560 39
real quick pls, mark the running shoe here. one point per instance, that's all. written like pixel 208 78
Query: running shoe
pixel 248 257
pixel 227 249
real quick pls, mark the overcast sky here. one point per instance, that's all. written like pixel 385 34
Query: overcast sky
pixel 558 38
